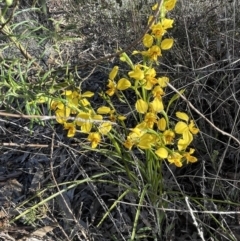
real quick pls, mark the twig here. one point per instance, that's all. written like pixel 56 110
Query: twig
pixel 199 229
pixel 12 144
pixel 44 118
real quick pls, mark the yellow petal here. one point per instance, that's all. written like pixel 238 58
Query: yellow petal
pixel 103 110
pixel 178 163
pixel 97 117
pixel 170 4
pixel 112 88
pixel 113 73
pixel 154 7
pixel 162 152
pixel 134 52
pixel 81 118
pixel 123 84
pixel 162 124
pixel 57 104
pixel 182 116
pixel 141 106
pixel 167 43
pixel 181 127
pixel 192 128
pixel 71 132
pixel 182 145
pixel 122 117
pixel 137 73
pixel 191 151
pixel 67 92
pixel 87 94
pixel 187 136
pixel 86 127
pixel 157 105
pixel 84 102
pixel 191 159
pixel 167 23
pixel 62 115
pixel 147 40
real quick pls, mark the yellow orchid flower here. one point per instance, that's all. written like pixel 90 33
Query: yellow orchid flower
pixel 158 92
pixel 175 158
pixel 71 127
pixel 136 73
pixel 182 144
pixel 187 130
pixel 182 126
pixel 158 31
pixel 85 120
pixel 168 137
pixel 133 138
pixel 62 115
pixel 122 84
pixel 139 138
pixel 189 157
pixel 112 88
pixel 129 143
pixel 146 141
pixel 150 119
pixel 163 81
pixel 167 23
pixel 94 138
pixel 152 53
pixel 84 102
pixel 149 79
pixel 56 105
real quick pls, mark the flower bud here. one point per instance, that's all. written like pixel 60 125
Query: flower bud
pixel 9 2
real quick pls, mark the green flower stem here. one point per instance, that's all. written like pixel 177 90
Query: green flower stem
pixel 113 206
pixel 144 94
pixel 124 57
pixel 114 142
pixel 138 213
